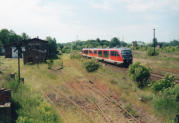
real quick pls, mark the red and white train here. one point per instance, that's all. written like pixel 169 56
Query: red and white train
pixel 111 55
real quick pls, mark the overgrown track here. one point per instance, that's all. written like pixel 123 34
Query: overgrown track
pixel 154 76
pixel 112 100
pixel 52 100
pixel 102 107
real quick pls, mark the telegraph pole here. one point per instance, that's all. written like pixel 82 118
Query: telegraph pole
pixel 18 49
pixel 154 40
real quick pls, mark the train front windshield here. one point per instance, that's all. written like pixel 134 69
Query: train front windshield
pixel 126 54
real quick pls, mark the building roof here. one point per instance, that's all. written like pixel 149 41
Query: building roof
pixel 24 42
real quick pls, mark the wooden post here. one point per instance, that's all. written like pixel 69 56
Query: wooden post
pixel 18 49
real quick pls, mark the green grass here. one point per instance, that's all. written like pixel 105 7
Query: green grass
pixel 28 106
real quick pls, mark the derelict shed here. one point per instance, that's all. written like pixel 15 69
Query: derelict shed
pixel 33 50
pixel 36 50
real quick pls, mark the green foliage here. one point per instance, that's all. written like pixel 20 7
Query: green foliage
pixel 166 82
pixel 168 49
pixel 12 84
pixel 139 73
pixel 166 102
pixel 29 107
pixel 91 65
pixel 52 47
pixel 115 42
pixel 49 63
pixel 150 52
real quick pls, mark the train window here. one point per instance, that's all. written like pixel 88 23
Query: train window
pixel 100 53
pixel 90 51
pixel 86 51
pixel 95 52
pixel 106 54
pixel 114 53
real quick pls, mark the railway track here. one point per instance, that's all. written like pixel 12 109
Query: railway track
pixel 81 108
pixel 154 75
pixel 111 99
pixel 104 115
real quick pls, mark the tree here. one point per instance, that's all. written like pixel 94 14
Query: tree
pixel 115 42
pixel 4 36
pixel 52 47
pixel 24 36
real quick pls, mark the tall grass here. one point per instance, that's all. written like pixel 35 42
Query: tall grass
pixel 28 106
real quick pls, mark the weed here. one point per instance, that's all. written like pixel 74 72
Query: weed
pixel 50 63
pixel 113 81
pixel 146 98
pixel 29 107
pixel 128 107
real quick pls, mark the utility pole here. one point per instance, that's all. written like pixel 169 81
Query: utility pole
pixel 19 53
pixel 154 40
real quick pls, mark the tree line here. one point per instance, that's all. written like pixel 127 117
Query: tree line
pixel 9 36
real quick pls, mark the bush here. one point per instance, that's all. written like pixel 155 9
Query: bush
pixel 139 73
pixel 166 82
pixel 166 102
pixel 91 65
pixel 150 52
pixel 50 63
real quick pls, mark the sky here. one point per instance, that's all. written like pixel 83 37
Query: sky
pixel 70 20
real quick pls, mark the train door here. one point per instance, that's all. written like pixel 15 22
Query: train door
pixel 100 53
pixel 114 55
pixel 105 54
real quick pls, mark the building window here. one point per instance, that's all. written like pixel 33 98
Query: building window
pixel 106 54
pixel 100 53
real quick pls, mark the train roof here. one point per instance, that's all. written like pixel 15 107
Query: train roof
pixel 122 48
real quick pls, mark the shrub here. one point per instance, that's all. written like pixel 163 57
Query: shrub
pixel 29 107
pixel 166 102
pixel 166 82
pixel 139 73
pixel 150 52
pixel 50 63
pixel 91 65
